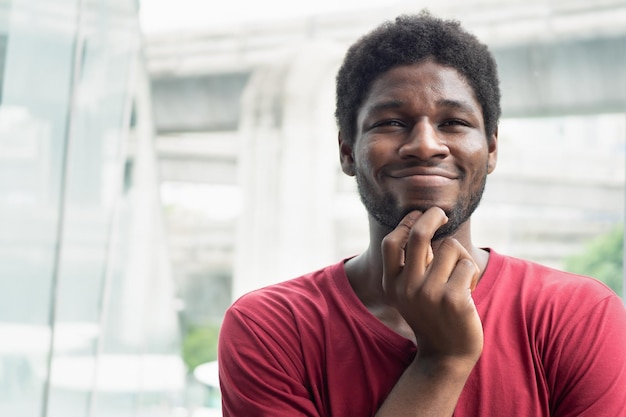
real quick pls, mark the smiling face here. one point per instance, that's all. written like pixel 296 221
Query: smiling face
pixel 420 142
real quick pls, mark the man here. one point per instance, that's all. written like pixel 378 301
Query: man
pixel 424 323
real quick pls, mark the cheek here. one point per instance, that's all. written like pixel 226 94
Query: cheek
pixel 473 146
pixel 476 156
pixel 367 158
pixel 477 173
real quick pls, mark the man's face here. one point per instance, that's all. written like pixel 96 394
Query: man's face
pixel 420 142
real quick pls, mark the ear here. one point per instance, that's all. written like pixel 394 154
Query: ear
pixel 346 156
pixel 493 152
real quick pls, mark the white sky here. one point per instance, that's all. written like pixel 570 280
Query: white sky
pixel 167 15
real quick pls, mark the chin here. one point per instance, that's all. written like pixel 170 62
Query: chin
pixel 447 230
pixel 422 206
pixel 457 215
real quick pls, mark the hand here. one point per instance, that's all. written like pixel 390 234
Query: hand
pixel 431 288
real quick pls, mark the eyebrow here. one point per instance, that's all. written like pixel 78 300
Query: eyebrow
pixel 385 105
pixel 457 105
pixel 443 103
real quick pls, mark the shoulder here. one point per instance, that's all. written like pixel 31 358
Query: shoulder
pixel 534 279
pixel 264 342
pixel 277 323
pixel 288 300
pixel 546 297
pixel 555 306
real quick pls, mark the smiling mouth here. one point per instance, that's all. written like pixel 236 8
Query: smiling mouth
pixel 425 180
pixel 419 172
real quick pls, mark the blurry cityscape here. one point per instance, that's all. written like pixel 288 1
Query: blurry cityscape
pixel 149 179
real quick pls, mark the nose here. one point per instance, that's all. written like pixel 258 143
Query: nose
pixel 423 142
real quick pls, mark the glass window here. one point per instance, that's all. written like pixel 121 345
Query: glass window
pixel 33 140
pixel 88 319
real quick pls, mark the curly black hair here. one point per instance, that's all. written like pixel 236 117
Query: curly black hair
pixel 408 40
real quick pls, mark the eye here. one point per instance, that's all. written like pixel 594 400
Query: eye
pixel 454 126
pixel 387 125
pixel 454 122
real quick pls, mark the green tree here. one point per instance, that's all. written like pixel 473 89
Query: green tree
pixel 603 259
pixel 200 345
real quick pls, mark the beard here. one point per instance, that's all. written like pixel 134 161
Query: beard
pixel 387 211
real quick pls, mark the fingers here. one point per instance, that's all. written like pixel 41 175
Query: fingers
pixel 418 251
pixel 453 266
pixel 408 247
pixel 465 275
pixel 394 244
pixel 430 285
pixel 410 262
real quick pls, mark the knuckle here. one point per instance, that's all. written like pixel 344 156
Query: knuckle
pixel 453 300
pixel 450 244
pixel 426 291
pixel 389 242
pixel 419 234
pixel 446 245
pixel 468 264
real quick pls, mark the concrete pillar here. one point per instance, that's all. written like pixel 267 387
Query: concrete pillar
pixel 288 166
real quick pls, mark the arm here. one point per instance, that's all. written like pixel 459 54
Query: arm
pixel 431 288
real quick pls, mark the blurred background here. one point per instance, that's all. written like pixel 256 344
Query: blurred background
pixel 159 158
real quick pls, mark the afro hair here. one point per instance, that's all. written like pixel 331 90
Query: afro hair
pixel 411 39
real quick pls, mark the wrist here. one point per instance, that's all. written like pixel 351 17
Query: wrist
pixel 446 367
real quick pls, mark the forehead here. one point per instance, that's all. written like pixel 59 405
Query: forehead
pixel 426 81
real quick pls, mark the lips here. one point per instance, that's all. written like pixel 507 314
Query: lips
pixel 421 171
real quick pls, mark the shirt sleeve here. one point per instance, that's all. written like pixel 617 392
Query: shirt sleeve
pixel 586 367
pixel 260 367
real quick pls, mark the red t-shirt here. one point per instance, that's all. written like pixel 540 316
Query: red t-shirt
pixel 555 345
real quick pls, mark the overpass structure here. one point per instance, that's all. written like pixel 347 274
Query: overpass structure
pixel 250 107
